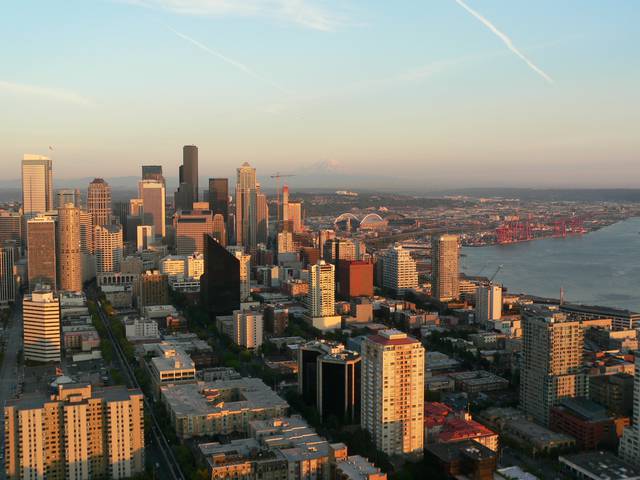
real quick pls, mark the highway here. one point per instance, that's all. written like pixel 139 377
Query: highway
pixel 173 470
pixel 9 373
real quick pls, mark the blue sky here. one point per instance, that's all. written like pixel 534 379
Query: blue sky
pixel 422 90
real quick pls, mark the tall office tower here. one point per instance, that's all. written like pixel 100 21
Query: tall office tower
pixel 284 206
pixel 295 216
pixel 393 392
pixel 69 249
pixel 248 328
pixel 336 249
pixel 68 195
pixel 220 283
pixel 190 227
pixel 262 217
pixel 75 433
pixel 246 207
pixel 152 172
pixel 354 279
pixel 338 390
pixel 445 273
pixel 144 237
pixel 37 185
pixel 551 366
pixel 86 233
pixel 399 272
pixel 99 202
pixel 153 198
pixel 488 303
pixel 245 270
pixel 10 227
pixel 285 243
pixel 108 248
pixel 41 326
pixel 220 229
pixel 121 210
pixel 630 442
pixel 7 274
pixel 188 189
pixel 219 196
pixel 308 355
pixel 136 206
pixel 323 237
pixel 41 252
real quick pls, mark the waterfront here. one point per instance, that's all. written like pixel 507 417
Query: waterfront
pixel 599 268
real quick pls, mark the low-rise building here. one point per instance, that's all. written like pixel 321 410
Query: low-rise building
pixel 598 465
pixel 171 366
pixel 139 329
pixel 479 381
pixel 220 407
pixel 464 459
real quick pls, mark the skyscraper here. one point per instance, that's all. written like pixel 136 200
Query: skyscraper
pixel 68 195
pixel 488 303
pixel 191 226
pixel 41 252
pixel 144 237
pixel 108 248
pixel 7 274
pixel 41 326
pixel 338 391
pixel 295 216
pixel 69 249
pixel 393 392
pixel 37 184
pixel 246 207
pixel 11 227
pixel 630 441
pixel 399 272
pixel 153 198
pixel 551 366
pixel 188 176
pixel 99 201
pixel 220 229
pixel 244 260
pixel 75 433
pixel 262 217
pixel 220 283
pixel 152 172
pixel 445 253
pixel 219 196
pixel 321 297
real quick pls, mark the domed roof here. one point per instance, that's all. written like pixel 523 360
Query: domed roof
pixel 372 218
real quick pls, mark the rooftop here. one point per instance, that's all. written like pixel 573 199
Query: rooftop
pixel 449 452
pixel 601 465
pixel 585 408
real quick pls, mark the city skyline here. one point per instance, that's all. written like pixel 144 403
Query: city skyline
pixel 510 94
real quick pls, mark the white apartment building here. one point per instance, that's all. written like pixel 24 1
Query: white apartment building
pixel 392 405
pixel 399 270
pixel 41 327
pixel 488 303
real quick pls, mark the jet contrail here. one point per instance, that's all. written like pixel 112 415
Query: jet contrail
pixel 240 66
pixel 507 41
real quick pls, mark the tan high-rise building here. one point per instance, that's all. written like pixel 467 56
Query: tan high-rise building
pixel 320 301
pixel 86 233
pixel 220 229
pixel 77 433
pixel 99 202
pixel 262 217
pixel 191 226
pixel 445 272
pixel 41 252
pixel 399 272
pixel 107 242
pixel 153 197
pixel 41 326
pixel 11 227
pixel 552 361
pixel 392 408
pixel 69 249
pixel 37 185
pixel 246 207
pixel 245 271
pixel 295 216
pixel 488 303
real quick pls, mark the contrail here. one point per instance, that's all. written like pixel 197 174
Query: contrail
pixel 507 41
pixel 240 66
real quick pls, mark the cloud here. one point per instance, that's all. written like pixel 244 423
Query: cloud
pixel 234 63
pixel 51 93
pixel 300 12
pixel 507 41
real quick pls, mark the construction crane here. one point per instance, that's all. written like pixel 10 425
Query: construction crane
pixel 278 176
pixel 495 273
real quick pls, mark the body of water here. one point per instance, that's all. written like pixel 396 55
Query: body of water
pixel 600 268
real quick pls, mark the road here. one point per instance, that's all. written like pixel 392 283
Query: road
pixel 166 456
pixel 9 370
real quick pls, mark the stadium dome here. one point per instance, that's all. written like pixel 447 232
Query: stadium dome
pixel 373 221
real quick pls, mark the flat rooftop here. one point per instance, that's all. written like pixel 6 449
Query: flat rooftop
pixel 601 465
pixel 203 398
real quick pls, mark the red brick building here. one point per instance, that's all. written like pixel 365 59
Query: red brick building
pixel 586 421
pixel 354 279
